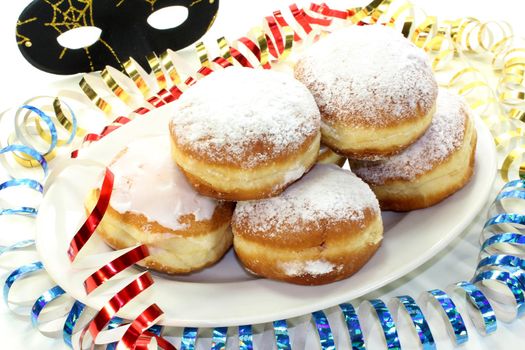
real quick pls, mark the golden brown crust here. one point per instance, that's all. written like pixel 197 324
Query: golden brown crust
pixel 120 240
pixel 228 182
pixel 405 200
pixel 221 216
pixel 217 156
pixel 208 190
pixel 200 244
pixel 373 142
pixel 304 234
pixel 346 253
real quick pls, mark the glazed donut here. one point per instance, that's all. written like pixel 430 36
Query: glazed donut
pixel 153 204
pixel 243 133
pixel 436 166
pixel 327 156
pixel 375 90
pixel 321 229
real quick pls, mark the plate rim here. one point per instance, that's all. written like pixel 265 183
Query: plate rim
pixel 484 135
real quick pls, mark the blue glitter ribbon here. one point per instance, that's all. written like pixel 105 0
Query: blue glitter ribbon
pixel 482 304
pixel 39 305
pixel 455 320
pixel 519 183
pixel 514 194
pixel 418 320
pixel 28 151
pixel 280 330
pixel 29 183
pixel 245 338
pixel 219 338
pixel 326 338
pixel 510 281
pixel 72 318
pixel 507 238
pixel 17 246
pixel 115 322
pixel 20 273
pixel 189 336
pixel 515 220
pixel 387 323
pixel 354 327
pixel 505 261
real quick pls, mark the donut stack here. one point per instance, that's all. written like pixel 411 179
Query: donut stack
pixel 242 167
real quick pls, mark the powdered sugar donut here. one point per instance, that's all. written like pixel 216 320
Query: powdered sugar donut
pixel 244 133
pixel 152 203
pixel 321 229
pixel 437 165
pixel 375 90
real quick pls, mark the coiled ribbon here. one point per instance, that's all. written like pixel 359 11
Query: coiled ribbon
pixel 502 251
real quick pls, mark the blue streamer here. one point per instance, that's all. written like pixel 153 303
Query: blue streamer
pixel 508 261
pixel 512 283
pixel 419 321
pixel 27 211
pixel 507 237
pixel 19 273
pixel 117 322
pixel 519 183
pixel 482 304
pixel 51 126
pixel 516 194
pixel 32 184
pixel 353 326
pixel 453 315
pixel 114 323
pixel 505 218
pixel 47 297
pixel 30 152
pixel 387 324
pixel 280 330
pixel 219 338
pixel 189 336
pixel 245 338
pixel 326 338
pixel 17 246
pixel 72 318
pixel 29 183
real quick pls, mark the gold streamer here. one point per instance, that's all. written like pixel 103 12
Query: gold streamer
pixel 156 67
pixel 499 106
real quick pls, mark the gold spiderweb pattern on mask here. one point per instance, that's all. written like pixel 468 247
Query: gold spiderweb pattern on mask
pixel 73 14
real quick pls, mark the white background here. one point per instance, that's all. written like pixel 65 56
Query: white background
pixel 19 81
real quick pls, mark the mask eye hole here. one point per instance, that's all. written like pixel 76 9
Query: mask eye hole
pixel 168 17
pixel 78 38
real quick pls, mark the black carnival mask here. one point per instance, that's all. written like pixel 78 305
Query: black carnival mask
pixel 125 31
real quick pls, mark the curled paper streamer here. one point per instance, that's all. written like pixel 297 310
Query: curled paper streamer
pixel 261 48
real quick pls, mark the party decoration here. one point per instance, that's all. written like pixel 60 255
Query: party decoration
pixel 497 290
pixel 125 32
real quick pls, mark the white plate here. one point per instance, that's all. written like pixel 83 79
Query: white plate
pixel 224 294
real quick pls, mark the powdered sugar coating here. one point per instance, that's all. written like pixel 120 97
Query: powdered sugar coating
pixel 368 75
pixel 309 267
pixel 326 192
pixel 148 182
pixel 444 136
pixel 246 116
